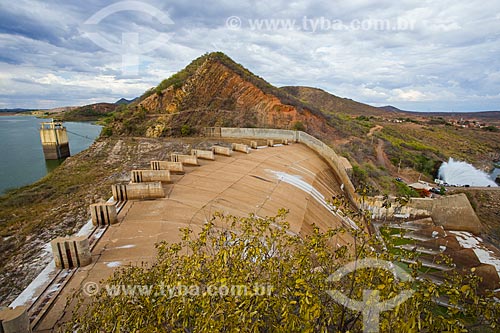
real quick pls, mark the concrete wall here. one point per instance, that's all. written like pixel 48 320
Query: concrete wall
pixel 416 208
pixel 203 154
pixel 173 167
pixel 453 212
pixel 258 133
pixel 333 160
pixel 14 320
pixel 184 159
pixel 103 214
pixel 71 252
pixel 123 192
pixel 142 176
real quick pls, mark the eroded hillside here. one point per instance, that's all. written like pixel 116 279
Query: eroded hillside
pixel 215 91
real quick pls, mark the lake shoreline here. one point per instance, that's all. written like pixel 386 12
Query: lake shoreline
pixel 26 162
pixel 4 114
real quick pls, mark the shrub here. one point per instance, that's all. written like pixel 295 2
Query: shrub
pixel 298 126
pixel 491 129
pixel 186 130
pixel 107 131
pixel 183 290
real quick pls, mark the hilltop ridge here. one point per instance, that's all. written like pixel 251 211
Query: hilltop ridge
pixel 213 90
pixel 330 103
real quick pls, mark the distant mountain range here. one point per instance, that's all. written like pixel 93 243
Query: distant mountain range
pixel 16 110
pixel 125 101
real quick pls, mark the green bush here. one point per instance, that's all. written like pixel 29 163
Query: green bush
pixel 298 126
pixel 491 129
pixel 107 131
pixel 186 130
pixel 405 190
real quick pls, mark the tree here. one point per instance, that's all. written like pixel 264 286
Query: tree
pixel 253 274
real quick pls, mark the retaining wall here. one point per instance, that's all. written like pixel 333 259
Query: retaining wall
pixel 259 133
pixel 453 212
pixel 334 161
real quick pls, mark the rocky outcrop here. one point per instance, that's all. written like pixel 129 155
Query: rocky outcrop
pixel 216 94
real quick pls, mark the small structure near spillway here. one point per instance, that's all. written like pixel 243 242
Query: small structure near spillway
pixel 14 320
pixel 71 252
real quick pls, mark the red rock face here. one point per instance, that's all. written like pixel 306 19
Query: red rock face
pixel 220 97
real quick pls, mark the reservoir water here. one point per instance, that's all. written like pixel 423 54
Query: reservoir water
pixel 21 155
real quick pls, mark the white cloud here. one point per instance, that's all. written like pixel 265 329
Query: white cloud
pixel 408 95
pixel 448 61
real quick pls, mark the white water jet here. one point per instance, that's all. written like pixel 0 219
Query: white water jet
pixel 462 173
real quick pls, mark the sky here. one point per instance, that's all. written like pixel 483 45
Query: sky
pixel 415 55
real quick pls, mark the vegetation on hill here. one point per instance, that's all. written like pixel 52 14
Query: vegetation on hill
pixel 253 275
pixel 322 100
pixel 212 90
pixel 405 144
pixel 178 79
pixel 90 112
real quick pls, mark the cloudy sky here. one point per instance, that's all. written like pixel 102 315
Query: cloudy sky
pixel 416 55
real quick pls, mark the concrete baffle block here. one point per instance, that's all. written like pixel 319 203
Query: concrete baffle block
pixel 270 143
pixel 103 214
pixel 173 167
pixel 184 159
pixel 142 176
pixel 242 148
pixel 219 150
pixel 14 320
pixel 284 142
pixel 124 192
pixel 254 144
pixel 203 154
pixel 71 252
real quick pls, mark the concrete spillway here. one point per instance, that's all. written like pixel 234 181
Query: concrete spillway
pixel 261 182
